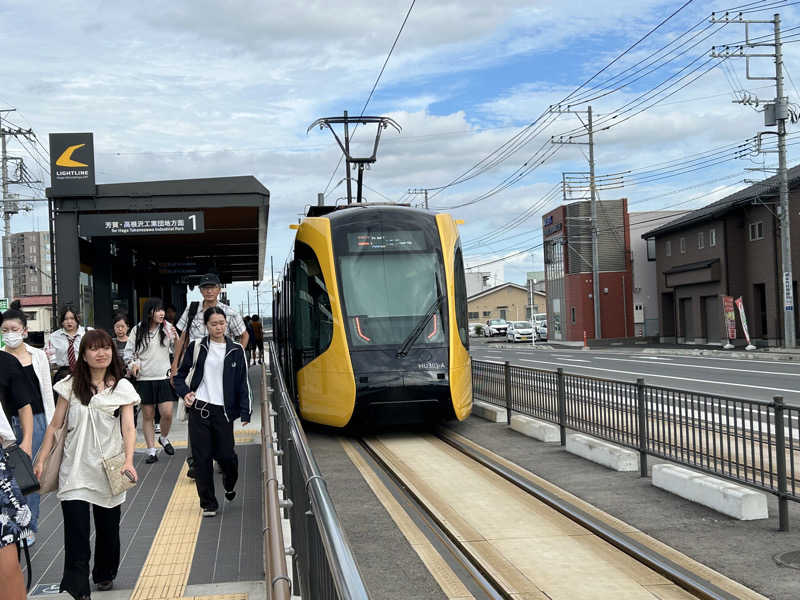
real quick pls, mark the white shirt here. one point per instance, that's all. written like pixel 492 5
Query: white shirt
pixel 198 330
pixel 82 476
pixel 154 361
pixel 57 346
pixel 210 389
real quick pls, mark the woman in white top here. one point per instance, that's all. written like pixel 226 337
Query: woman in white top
pixel 91 400
pixel 62 347
pixel 148 360
pixel 217 393
pixel 37 370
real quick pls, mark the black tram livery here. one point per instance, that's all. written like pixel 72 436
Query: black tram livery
pixel 371 317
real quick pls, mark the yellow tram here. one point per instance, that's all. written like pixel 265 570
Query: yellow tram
pixel 371 317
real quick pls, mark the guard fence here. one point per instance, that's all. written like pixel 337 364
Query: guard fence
pixel 753 442
pixel 322 562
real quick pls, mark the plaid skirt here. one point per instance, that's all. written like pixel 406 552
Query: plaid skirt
pixel 15 515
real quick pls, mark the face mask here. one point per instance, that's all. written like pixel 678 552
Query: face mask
pixel 12 339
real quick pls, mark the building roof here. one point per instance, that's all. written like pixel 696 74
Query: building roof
pixel 35 300
pixel 497 288
pixel 768 187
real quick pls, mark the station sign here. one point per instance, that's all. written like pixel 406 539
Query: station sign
pixel 72 164
pixel 160 223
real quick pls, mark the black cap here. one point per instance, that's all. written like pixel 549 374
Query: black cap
pixel 209 279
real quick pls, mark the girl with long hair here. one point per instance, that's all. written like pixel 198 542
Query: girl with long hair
pixel 95 399
pixel 147 355
pixel 37 371
pixel 62 347
pixel 217 394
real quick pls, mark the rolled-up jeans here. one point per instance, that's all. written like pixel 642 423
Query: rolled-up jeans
pixel 39 427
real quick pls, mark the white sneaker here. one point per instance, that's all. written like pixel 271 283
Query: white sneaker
pixel 209 513
pixel 158 428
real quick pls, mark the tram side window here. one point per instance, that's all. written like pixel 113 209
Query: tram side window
pixel 461 297
pixel 313 320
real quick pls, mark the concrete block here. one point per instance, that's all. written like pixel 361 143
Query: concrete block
pixel 538 430
pixel 729 498
pixel 609 455
pixel 487 411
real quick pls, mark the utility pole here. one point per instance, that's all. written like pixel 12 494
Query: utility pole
pixel 532 317
pixel 248 303
pixel 10 205
pixel 775 113
pixel 347 157
pixel 417 192
pixel 598 333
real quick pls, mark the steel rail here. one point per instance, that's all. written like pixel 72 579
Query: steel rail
pixel 278 583
pixel 343 568
pixel 652 559
pixel 488 584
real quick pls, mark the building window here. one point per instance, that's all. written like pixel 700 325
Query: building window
pixel 651 248
pixel 683 245
pixel 487 313
pixel 712 238
pixel 701 240
pixel 756 231
pixel 473 315
pixel 668 248
pixel 572 314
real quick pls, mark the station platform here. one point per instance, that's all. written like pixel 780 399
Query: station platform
pixel 168 550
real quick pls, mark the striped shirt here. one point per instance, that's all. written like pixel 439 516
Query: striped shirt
pixel 199 330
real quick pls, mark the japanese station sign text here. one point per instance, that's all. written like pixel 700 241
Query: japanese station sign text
pixel 141 223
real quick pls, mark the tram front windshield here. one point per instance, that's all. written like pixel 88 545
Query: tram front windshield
pixel 390 281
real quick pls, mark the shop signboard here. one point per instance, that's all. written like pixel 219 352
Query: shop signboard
pixel 730 316
pixel 743 317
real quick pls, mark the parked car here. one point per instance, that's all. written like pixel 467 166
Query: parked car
pixel 476 329
pixel 541 330
pixel 495 327
pixel 519 331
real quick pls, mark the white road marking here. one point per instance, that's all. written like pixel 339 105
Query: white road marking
pixel 758 387
pixel 672 364
pixel 575 360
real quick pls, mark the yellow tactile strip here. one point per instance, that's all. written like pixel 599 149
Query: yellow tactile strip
pixel 448 581
pixel 169 561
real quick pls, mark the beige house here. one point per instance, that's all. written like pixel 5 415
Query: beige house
pixel 509 301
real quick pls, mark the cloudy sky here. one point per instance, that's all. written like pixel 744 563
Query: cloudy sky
pixel 203 89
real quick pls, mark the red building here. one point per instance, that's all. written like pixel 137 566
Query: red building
pixel 567 238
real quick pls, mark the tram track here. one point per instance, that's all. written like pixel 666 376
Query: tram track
pixel 495 572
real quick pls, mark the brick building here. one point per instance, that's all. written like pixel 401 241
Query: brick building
pixel 568 270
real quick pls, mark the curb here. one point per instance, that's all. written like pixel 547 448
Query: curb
pixel 765 356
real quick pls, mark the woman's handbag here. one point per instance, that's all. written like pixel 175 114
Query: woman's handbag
pixel 112 465
pixel 51 465
pixel 21 466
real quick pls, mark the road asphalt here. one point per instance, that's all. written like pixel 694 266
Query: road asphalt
pixel 733 377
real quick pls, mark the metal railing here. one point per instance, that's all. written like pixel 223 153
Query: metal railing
pixel 279 585
pixel 322 561
pixel 749 441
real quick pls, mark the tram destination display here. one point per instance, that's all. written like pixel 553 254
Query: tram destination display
pixel 386 241
pixel 161 223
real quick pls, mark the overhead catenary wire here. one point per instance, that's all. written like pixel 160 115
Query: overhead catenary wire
pixel 374 87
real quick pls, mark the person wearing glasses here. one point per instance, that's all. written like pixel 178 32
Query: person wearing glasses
pixel 216 394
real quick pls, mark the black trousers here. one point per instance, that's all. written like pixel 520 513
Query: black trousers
pixel 77 551
pixel 212 439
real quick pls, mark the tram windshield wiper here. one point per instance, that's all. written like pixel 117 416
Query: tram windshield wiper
pixel 423 322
